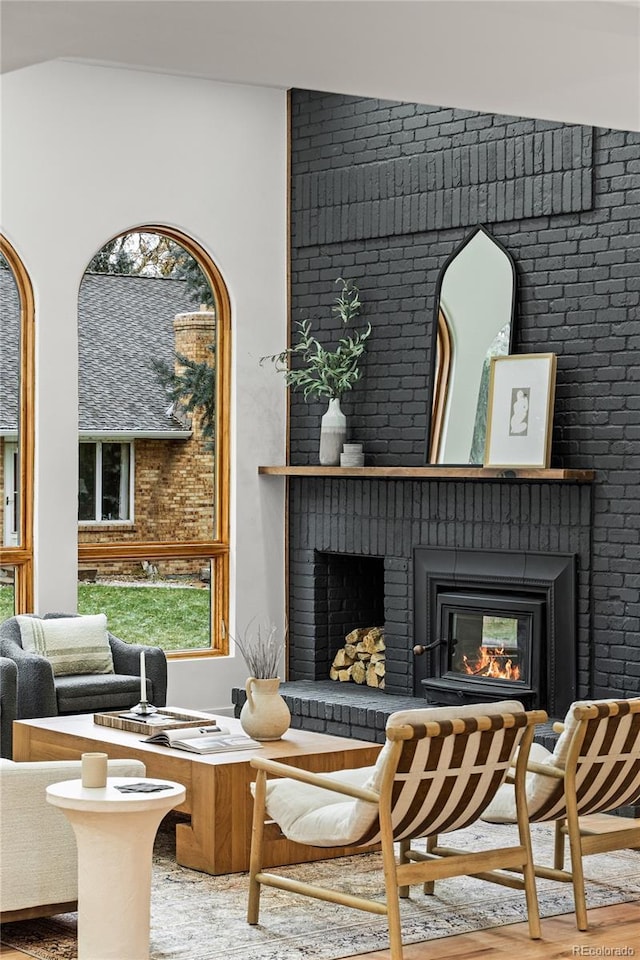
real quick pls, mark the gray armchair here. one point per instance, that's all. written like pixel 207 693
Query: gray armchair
pixel 8 705
pixel 41 694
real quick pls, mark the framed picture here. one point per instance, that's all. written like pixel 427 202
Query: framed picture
pixel 520 410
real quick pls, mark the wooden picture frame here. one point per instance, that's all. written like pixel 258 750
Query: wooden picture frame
pixel 520 410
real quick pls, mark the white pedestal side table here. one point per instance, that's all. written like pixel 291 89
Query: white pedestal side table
pixel 114 833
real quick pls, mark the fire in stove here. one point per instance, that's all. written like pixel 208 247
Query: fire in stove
pixel 492 662
pixel 486 646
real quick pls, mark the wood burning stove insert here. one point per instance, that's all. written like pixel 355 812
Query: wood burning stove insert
pixel 491 625
pixel 490 648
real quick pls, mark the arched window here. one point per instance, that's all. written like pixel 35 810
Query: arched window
pixel 153 482
pixel 16 433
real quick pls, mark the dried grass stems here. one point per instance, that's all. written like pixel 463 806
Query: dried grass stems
pixel 261 648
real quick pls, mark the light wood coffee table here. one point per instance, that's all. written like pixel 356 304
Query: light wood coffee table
pixel 218 838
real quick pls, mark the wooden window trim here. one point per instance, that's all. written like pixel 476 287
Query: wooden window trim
pixel 21 557
pixel 217 550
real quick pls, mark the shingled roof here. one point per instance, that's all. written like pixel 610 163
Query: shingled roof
pixel 125 322
pixel 9 352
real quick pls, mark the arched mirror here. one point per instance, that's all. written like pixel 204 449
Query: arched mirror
pixel 474 320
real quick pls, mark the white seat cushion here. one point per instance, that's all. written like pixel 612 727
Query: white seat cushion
pixel 309 814
pixel 319 817
pixel 561 749
pixel 428 714
pixel 538 787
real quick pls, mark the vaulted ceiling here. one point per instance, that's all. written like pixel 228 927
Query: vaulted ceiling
pixel 554 59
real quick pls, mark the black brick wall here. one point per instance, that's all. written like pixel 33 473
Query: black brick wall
pixel 382 193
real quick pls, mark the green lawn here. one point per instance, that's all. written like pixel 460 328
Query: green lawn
pixel 6 602
pixel 501 629
pixel 174 618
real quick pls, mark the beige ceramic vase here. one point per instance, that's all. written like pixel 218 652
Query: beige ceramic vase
pixel 265 715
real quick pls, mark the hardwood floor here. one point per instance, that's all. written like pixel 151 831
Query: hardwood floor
pixel 615 926
pixel 611 928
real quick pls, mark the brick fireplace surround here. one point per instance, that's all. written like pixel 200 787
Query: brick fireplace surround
pixel 382 193
pixel 386 520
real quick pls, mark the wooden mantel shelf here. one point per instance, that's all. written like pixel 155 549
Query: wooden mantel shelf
pixel 433 473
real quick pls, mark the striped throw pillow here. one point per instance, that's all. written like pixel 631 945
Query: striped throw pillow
pixel 72 644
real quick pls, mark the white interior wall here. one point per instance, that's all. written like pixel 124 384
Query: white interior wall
pixel 87 152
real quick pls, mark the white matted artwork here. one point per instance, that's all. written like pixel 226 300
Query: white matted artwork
pixel 520 411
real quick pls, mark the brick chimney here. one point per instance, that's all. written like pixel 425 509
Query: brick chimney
pixel 194 333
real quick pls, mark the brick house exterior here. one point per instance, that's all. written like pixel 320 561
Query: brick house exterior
pixel 125 323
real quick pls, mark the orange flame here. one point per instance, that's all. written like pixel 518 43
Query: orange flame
pixel 492 662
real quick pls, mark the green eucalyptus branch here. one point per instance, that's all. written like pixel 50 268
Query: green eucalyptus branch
pixel 323 372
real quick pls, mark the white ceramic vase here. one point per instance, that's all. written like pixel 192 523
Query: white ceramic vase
pixel 333 433
pixel 265 715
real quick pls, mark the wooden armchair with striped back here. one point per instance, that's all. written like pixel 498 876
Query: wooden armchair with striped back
pixel 437 772
pixel 594 769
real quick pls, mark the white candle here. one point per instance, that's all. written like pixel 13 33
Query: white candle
pixel 143 678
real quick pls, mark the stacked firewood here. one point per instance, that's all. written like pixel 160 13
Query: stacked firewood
pixel 361 660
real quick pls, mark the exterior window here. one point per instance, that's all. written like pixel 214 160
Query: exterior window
pixel 17 392
pixel 104 482
pixel 11 494
pixel 154 373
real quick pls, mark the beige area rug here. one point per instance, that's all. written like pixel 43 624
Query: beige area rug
pixel 199 917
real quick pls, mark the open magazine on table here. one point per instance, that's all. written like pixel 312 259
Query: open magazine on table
pixel 205 739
